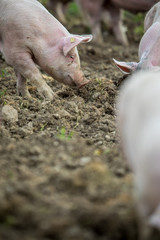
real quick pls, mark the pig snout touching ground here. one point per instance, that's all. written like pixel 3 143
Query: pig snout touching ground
pixel 149 47
pixel 31 36
pixel 138 120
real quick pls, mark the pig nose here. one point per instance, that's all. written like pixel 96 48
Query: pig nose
pixel 83 83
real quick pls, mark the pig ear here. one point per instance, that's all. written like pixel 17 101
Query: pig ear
pixel 74 40
pixel 126 67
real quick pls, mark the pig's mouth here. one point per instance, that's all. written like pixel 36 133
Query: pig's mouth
pixel 73 83
pixel 83 83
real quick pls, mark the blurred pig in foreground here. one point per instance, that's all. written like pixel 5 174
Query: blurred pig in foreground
pixel 31 36
pixel 149 47
pixel 138 117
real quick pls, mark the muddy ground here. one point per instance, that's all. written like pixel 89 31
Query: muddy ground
pixel 62 175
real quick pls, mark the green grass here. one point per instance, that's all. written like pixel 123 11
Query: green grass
pixel 3 72
pixel 138 19
pixel 43 127
pixel 72 10
pixel 64 135
pixel 44 2
pixel 2 93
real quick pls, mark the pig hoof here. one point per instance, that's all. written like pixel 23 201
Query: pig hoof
pixel 24 93
pixel 123 41
pixel 46 93
pixel 98 40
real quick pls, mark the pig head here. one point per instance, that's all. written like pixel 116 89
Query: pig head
pixel 138 120
pixel 31 36
pixel 148 53
pixel 63 60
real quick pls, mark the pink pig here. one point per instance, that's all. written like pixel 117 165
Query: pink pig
pixel 31 36
pixel 149 54
pixel 109 11
pixel 138 118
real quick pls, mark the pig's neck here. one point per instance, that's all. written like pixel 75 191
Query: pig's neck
pixel 57 31
pixel 149 38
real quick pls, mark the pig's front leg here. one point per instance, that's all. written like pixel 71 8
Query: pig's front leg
pixel 60 13
pixel 24 65
pixel 91 12
pixel 116 25
pixel 97 33
pixel 22 89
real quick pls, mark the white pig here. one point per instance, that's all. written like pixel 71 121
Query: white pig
pixel 149 47
pixel 31 36
pixel 138 117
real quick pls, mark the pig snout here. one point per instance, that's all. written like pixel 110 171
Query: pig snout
pixel 76 79
pixel 78 83
pixel 81 80
pixel 84 83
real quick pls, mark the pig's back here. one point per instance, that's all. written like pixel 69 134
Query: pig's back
pixel 134 5
pixel 22 18
pixel 152 16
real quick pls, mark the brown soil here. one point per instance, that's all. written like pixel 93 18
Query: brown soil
pixel 62 172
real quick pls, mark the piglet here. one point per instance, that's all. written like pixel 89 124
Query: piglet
pixel 138 118
pixel 31 36
pixel 149 47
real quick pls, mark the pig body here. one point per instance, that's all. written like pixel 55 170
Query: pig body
pixel 110 13
pixel 134 5
pixel 149 47
pixel 138 117
pixel 152 16
pixel 31 36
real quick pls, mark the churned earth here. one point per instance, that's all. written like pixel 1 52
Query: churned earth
pixel 62 174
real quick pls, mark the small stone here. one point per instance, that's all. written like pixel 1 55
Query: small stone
pixel 9 113
pixel 96 95
pixel 99 143
pixel 56 116
pixel 107 137
pixel 84 160
pixel 64 113
pixel 120 172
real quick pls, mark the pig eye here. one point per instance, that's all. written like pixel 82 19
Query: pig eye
pixel 71 59
pixel 71 56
